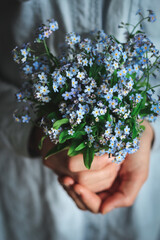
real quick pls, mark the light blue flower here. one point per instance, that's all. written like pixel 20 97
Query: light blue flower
pixel 127 130
pixel 28 69
pixel 25 119
pixel 71 132
pixel 88 129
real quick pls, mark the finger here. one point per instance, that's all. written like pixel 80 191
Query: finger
pixel 104 195
pixel 76 163
pixel 91 200
pixel 98 180
pixel 75 198
pixel 123 197
pixel 66 180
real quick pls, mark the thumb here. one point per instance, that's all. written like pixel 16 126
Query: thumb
pixel 124 196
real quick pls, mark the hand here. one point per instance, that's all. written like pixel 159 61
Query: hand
pixel 131 177
pixel 98 178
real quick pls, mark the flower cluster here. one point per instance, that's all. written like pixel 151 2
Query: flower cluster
pixel 94 97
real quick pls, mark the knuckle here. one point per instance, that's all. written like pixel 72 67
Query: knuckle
pixel 108 184
pixel 95 163
pixel 129 202
pixel 82 178
pixel 99 162
pixel 70 165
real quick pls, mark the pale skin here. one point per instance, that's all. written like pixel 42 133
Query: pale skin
pixel 107 185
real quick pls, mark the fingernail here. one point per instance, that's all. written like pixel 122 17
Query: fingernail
pixel 78 191
pixel 109 209
pixel 69 184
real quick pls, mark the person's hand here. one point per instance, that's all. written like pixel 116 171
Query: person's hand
pixel 100 177
pixel 131 177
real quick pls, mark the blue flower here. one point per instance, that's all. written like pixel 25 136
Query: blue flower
pixel 55 87
pixel 44 90
pixel 124 56
pixel 91 138
pixel 74 70
pixel 36 65
pixel 71 132
pixel 45 68
pixel 28 69
pixel 88 129
pixel 139 12
pixel 113 103
pixel 66 95
pixel 88 89
pixel 43 77
pixel 25 119
pixel 119 158
pixel 74 83
pixel 19 96
pixel 152 118
pixel 116 54
pixel 108 96
pixel 107 132
pixel 81 75
pixel 73 92
pixel 138 97
pixel 53 25
pixel 85 62
pixel 24 52
pixel 80 113
pixel 96 112
pixel 90 62
pixel 126 130
pixel 152 16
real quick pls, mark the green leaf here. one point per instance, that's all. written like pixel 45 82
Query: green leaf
pixel 139 106
pixel 80 146
pixel 108 118
pixel 71 151
pixel 143 101
pixel 41 142
pixel 142 127
pixel 88 155
pixel 52 115
pixel 119 100
pixel 57 148
pixel 134 130
pixel 139 32
pixel 60 122
pixel 80 126
pixel 79 134
pixel 64 136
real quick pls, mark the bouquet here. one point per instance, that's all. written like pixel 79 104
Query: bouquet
pixel 93 98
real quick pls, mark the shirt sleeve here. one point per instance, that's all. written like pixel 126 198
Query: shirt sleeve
pixel 14 135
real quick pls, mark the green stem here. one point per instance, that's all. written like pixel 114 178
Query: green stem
pixel 46 47
pixel 154 86
pixel 138 24
pixel 50 56
pixel 147 72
